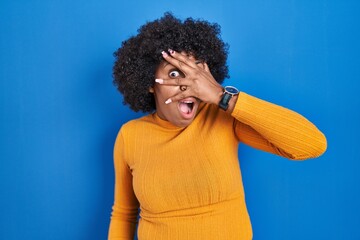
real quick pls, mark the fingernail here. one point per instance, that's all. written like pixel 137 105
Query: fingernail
pixel 171 51
pixel 160 81
pixel 164 54
pixel 168 101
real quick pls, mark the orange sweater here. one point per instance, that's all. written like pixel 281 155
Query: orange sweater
pixel 187 181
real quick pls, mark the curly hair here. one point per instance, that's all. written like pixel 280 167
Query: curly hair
pixel 138 57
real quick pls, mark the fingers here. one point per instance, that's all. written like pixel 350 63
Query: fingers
pixel 178 97
pixel 197 75
pixel 181 61
pixel 174 81
pixel 182 82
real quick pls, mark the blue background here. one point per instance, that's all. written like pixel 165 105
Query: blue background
pixel 60 113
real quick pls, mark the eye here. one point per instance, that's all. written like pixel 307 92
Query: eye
pixel 174 73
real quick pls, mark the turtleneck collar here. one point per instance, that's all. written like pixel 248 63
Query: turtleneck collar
pixel 168 125
pixel 165 124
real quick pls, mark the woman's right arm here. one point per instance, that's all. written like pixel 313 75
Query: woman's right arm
pixel 125 209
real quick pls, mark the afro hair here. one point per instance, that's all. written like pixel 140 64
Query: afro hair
pixel 138 57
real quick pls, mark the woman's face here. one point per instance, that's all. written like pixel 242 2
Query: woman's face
pixel 180 113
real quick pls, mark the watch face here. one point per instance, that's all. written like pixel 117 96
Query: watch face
pixel 231 90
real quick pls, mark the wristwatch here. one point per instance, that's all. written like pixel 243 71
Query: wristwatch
pixel 229 92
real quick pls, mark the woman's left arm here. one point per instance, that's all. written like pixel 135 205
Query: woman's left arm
pixel 260 124
pixel 276 129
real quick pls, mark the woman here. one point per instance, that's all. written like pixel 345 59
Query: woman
pixel 179 164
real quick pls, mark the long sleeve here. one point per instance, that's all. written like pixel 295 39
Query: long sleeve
pixel 275 129
pixel 125 209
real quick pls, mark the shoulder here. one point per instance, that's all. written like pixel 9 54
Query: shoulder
pixel 133 126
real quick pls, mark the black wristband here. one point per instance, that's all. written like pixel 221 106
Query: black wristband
pixel 224 102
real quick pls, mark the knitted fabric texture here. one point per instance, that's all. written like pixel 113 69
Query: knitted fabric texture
pixel 187 182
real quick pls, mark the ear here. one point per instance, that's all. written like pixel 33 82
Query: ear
pixel 151 89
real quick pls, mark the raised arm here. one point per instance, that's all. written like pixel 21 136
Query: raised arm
pixel 125 209
pixel 260 124
pixel 276 129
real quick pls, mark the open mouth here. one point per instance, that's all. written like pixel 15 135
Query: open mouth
pixel 187 107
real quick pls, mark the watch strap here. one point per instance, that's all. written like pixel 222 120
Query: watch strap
pixel 224 102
